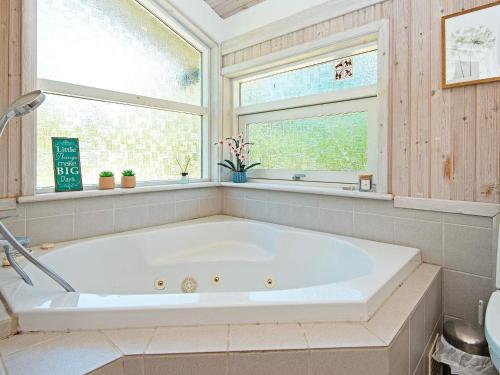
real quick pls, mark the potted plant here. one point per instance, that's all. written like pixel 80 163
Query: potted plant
pixel 128 179
pixel 239 150
pixel 183 168
pixel 106 180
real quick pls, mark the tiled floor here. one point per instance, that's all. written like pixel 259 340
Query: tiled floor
pixel 384 345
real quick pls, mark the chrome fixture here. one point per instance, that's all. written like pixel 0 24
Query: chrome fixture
pixel 21 107
pixel 298 176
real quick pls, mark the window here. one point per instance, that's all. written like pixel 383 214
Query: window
pixel 317 117
pixel 132 90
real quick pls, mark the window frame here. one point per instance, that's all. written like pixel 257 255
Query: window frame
pixel 361 103
pixel 172 19
pixel 324 49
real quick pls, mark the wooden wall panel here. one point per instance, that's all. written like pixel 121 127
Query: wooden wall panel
pixel 445 144
pixel 4 90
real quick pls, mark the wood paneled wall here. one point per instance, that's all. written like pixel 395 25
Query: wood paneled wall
pixel 10 89
pixel 445 144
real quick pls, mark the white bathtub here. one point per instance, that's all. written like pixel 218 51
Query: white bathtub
pixel 315 277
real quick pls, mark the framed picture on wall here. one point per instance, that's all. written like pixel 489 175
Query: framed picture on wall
pixel 471 46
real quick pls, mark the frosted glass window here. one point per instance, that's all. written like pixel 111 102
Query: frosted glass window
pixel 314 79
pixel 116 137
pixel 325 143
pixel 116 45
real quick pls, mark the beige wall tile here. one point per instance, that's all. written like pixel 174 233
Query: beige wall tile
pixel 386 323
pixel 130 218
pixel 90 224
pixel 133 365
pixel 275 363
pixel 418 337
pixel 399 352
pixel 374 227
pixel 130 341
pixel 338 335
pixel 256 210
pixel 161 213
pixel 470 220
pixel 113 368
pixel 187 210
pixel 424 235
pixel 266 337
pixel 46 209
pixel 349 362
pixel 433 302
pixel 187 364
pixel 94 204
pixel 468 249
pixel 461 293
pixel 50 229
pixel 337 222
pixel 201 339
pixel 233 207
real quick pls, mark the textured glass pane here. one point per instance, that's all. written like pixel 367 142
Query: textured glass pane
pixel 115 45
pixel 329 143
pixel 314 79
pixel 117 137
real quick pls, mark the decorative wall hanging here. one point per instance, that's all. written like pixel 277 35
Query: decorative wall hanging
pixel 471 46
pixel 343 69
pixel 67 168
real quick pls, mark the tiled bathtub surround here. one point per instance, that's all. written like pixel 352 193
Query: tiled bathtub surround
pixel 393 342
pixel 462 244
pixel 66 220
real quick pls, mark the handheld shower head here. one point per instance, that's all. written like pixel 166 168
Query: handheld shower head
pixel 22 106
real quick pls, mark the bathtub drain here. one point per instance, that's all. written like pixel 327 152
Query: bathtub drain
pixel 189 285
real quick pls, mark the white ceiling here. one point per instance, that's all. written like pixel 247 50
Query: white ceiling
pixel 266 12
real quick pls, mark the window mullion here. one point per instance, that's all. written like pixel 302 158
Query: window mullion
pixel 93 93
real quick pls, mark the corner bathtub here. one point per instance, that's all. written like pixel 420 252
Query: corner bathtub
pixel 245 272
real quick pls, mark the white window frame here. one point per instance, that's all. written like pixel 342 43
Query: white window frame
pixel 367 104
pixel 327 48
pixel 174 20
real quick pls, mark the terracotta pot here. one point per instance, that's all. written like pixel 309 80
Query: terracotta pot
pixel 106 183
pixel 128 182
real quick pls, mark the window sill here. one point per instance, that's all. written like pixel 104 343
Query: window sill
pixel 309 190
pixel 118 191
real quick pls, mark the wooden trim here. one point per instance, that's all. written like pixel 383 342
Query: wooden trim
pixel 358 36
pixel 383 108
pixel 312 16
pixel 28 83
pixel 442 205
pixel 7 204
pixel 445 85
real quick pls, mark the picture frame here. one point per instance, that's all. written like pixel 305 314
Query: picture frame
pixel 470 46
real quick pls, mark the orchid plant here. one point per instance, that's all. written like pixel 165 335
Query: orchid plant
pixel 239 150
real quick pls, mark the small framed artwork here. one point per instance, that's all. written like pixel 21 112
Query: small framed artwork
pixel 471 46
pixel 67 167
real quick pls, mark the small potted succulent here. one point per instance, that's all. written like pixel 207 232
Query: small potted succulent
pixel 106 180
pixel 183 168
pixel 128 179
pixel 239 150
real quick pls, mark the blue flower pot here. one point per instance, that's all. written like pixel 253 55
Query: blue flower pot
pixel 239 177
